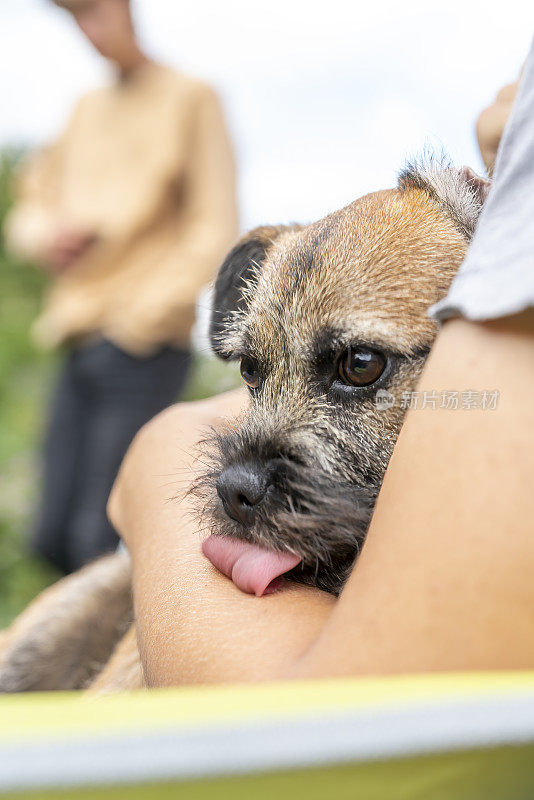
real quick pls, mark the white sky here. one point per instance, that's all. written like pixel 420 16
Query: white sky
pixel 324 100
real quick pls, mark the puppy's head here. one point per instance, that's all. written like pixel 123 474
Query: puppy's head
pixel 322 317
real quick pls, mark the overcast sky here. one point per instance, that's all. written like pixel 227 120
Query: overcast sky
pixel 324 100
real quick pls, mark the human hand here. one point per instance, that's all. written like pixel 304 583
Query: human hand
pixel 66 245
pixel 491 124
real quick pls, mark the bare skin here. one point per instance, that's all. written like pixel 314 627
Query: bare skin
pixel 491 123
pixel 108 25
pixel 443 582
pixel 66 246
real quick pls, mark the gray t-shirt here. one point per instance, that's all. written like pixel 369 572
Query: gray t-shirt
pixel 497 276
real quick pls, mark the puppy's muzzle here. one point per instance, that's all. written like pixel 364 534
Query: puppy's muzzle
pixel 242 488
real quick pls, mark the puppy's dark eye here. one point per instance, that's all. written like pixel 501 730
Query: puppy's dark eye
pixel 360 366
pixel 250 373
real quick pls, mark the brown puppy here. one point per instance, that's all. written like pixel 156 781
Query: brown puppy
pixel 322 318
pixel 329 321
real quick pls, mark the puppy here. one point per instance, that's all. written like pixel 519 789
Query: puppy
pixel 326 320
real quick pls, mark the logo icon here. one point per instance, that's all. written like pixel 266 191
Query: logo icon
pixel 384 399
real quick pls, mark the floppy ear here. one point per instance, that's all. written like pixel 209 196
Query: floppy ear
pixel 239 270
pixel 460 191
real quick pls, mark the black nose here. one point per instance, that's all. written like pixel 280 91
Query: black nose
pixel 241 488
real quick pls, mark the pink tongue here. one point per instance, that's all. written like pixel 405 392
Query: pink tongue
pixel 253 569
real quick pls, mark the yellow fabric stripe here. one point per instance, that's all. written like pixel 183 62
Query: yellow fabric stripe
pixel 57 714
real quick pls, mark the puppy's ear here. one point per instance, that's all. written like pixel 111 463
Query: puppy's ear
pixel 461 191
pixel 239 270
pixel 479 186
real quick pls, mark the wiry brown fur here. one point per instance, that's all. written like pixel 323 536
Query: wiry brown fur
pixel 293 299
pixel 65 637
pixel 364 275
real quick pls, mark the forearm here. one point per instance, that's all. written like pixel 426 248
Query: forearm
pixel 434 587
pixel 29 231
pixel 33 220
pixel 194 625
pixel 444 579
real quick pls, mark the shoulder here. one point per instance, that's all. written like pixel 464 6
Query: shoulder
pixel 185 85
pixel 88 102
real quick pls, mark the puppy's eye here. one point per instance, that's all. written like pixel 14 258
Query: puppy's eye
pixel 360 366
pixel 250 373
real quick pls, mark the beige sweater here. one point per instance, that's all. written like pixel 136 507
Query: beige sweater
pixel 147 166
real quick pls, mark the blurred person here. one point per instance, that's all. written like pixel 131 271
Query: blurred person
pixel 130 212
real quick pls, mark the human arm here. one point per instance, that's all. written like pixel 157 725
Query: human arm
pixel 36 228
pixel 170 573
pixel 30 225
pixel 444 579
pixel 491 123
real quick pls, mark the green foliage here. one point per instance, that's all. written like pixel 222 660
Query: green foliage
pixel 26 379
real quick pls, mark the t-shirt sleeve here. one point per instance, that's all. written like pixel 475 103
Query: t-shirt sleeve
pixel 497 276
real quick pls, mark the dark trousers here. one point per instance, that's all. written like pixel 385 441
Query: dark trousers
pixel 103 398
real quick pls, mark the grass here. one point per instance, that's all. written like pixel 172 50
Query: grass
pixel 26 381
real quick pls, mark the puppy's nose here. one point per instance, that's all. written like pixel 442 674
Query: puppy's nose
pixel 241 488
